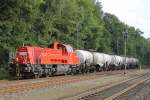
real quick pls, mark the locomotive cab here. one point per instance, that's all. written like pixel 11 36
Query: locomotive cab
pixel 65 49
pixel 57 46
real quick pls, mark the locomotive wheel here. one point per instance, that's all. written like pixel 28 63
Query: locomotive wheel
pixel 46 75
pixel 73 71
pixel 36 76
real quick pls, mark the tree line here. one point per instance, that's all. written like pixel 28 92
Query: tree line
pixel 81 23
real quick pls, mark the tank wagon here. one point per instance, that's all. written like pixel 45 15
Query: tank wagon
pixel 132 63
pixel 85 61
pixel 60 58
pixel 118 62
pixel 101 61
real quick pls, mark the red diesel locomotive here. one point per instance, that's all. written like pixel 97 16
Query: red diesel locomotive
pixel 36 61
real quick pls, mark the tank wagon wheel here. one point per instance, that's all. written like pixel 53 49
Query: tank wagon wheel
pixel 86 68
pixel 96 69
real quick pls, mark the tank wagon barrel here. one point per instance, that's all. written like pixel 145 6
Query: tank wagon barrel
pixel 99 61
pixel 85 60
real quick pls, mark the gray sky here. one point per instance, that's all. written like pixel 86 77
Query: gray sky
pixel 133 12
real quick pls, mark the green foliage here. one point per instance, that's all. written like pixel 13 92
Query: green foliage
pixel 4 57
pixel 82 24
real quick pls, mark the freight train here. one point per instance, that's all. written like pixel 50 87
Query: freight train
pixel 60 58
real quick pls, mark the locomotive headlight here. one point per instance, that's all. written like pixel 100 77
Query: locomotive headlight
pixel 23 53
pixel 26 68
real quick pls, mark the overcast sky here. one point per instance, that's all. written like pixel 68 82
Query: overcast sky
pixel 133 12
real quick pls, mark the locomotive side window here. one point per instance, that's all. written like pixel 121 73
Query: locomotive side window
pixel 60 47
pixel 69 48
pixel 63 48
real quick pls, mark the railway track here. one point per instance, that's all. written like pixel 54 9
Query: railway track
pixel 17 86
pixel 13 82
pixel 21 87
pixel 112 91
